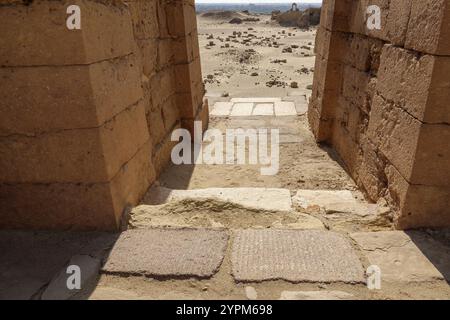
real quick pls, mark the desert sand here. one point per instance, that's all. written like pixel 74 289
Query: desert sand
pixel 255 58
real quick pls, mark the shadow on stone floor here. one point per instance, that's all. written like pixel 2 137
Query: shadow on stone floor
pixel 436 248
pixel 33 264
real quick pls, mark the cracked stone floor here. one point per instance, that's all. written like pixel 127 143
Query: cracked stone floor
pixel 227 232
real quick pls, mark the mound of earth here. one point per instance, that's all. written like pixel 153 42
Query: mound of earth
pixel 223 15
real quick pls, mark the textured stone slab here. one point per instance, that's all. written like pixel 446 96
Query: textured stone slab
pixel 285 108
pixel 294 255
pixel 255 100
pixel 263 109
pixel 315 295
pixel 271 199
pixel 168 253
pixel 405 256
pixel 242 109
pixel 222 109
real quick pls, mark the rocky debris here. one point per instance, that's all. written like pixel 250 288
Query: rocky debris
pixel 236 21
pixel 279 61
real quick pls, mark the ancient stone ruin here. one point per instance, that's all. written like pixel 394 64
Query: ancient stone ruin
pixel 297 18
pixel 381 99
pixel 87 114
pixel 70 98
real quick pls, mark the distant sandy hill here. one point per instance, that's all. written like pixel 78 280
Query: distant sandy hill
pixel 225 15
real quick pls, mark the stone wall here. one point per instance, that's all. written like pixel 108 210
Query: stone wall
pixel 86 115
pixel 381 99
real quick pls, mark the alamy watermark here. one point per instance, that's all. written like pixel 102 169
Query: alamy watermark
pixel 234 146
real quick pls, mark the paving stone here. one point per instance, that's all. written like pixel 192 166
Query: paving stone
pixel 405 256
pixel 168 253
pixel 333 201
pixel 242 110
pixel 285 108
pixel 294 255
pixel 315 295
pixel 89 271
pixel 256 100
pixel 221 109
pixel 271 199
pixel 263 109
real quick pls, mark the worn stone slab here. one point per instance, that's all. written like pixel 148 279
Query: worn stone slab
pixel 263 109
pixel 285 108
pixel 221 109
pixel 333 201
pixel 255 100
pixel 242 110
pixel 271 199
pixel 405 256
pixel 168 253
pixel 294 255
pixel 316 295
pixel 89 272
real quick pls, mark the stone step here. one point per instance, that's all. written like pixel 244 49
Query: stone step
pixel 270 199
pixel 334 201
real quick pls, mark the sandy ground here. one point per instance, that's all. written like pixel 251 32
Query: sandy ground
pixel 248 60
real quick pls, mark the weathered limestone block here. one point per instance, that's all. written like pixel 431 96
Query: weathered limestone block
pixel 163 86
pixel 202 115
pixel 186 48
pixel 162 152
pixel 42 99
pixel 148 53
pixel 145 19
pixel 170 113
pixel 182 17
pixel 324 98
pixel 357 88
pixel 78 206
pixel 77 155
pixel 418 84
pixel 36 34
pixel 429 27
pixel 371 173
pixel 420 206
pixel 394 19
pixel 419 151
pixel 166 54
pixel 335 15
pixel 189 87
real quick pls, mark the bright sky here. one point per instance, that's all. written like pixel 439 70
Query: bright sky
pixel 257 1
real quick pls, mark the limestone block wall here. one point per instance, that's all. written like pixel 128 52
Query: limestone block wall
pixel 86 115
pixel 166 38
pixel 381 99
